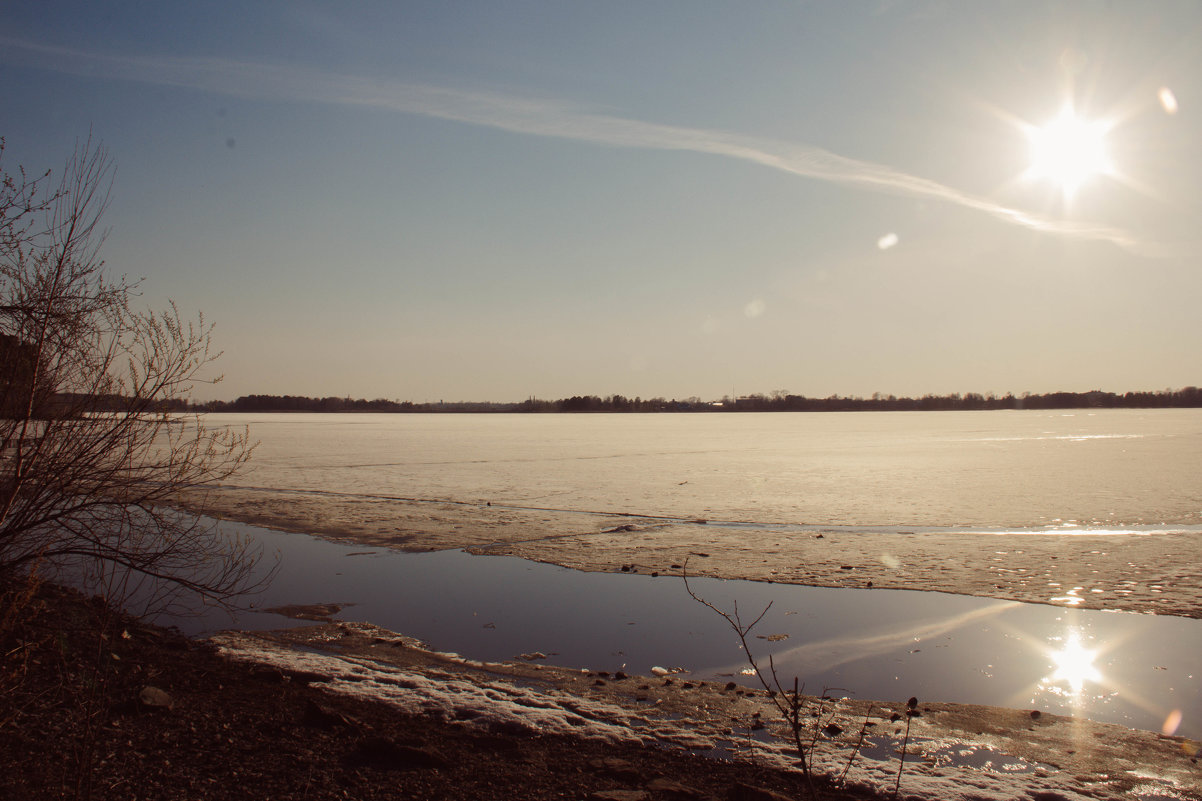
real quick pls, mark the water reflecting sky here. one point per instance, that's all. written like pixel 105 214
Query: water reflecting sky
pixel 1135 670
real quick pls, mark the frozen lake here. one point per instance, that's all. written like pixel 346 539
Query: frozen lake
pixel 994 469
pixel 1118 475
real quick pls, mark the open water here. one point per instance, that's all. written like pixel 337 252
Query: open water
pixel 887 645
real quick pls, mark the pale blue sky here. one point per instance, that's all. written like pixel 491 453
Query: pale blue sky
pixel 488 201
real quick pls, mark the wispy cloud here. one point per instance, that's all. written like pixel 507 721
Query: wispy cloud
pixel 528 116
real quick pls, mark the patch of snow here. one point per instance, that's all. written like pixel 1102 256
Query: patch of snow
pixel 493 706
pixel 948 769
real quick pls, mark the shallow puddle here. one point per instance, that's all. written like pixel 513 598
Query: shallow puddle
pixel 1135 670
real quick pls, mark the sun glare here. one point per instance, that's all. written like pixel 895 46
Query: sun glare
pixel 1068 151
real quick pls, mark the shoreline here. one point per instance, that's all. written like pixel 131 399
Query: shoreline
pixel 1078 757
pixel 1146 572
pixel 990 752
pixel 373 715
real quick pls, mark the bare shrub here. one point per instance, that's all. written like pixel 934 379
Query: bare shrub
pixel 93 447
pixel 806 718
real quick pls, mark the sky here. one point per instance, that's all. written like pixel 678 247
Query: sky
pixel 489 201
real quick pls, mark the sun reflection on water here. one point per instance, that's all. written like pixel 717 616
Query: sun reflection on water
pixel 1074 666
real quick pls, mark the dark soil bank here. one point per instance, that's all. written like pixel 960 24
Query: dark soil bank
pixel 96 705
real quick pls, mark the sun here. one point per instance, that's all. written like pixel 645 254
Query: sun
pixel 1068 151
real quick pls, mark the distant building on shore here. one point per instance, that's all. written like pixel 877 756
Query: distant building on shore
pixel 17 361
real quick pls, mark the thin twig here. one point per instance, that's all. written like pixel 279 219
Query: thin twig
pixel 789 709
pixel 911 711
pixel 859 745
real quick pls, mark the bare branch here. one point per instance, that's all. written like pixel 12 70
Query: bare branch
pixel 93 449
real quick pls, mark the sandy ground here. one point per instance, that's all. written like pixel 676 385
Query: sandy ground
pixel 1149 572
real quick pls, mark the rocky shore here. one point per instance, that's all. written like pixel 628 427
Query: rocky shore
pixel 95 705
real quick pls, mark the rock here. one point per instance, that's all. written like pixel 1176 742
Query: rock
pixel 615 767
pixel 320 717
pixel 154 698
pixel 619 795
pixel 267 674
pixel 379 752
pixel 666 788
pixel 745 792
pixel 321 613
pixel 532 656
pixel 659 671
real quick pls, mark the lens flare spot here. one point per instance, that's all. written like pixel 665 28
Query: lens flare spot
pixel 1171 723
pixel 754 308
pixel 887 241
pixel 1168 100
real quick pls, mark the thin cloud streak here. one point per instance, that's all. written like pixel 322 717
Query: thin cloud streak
pixel 532 117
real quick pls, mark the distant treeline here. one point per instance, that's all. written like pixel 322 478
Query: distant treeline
pixel 776 402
